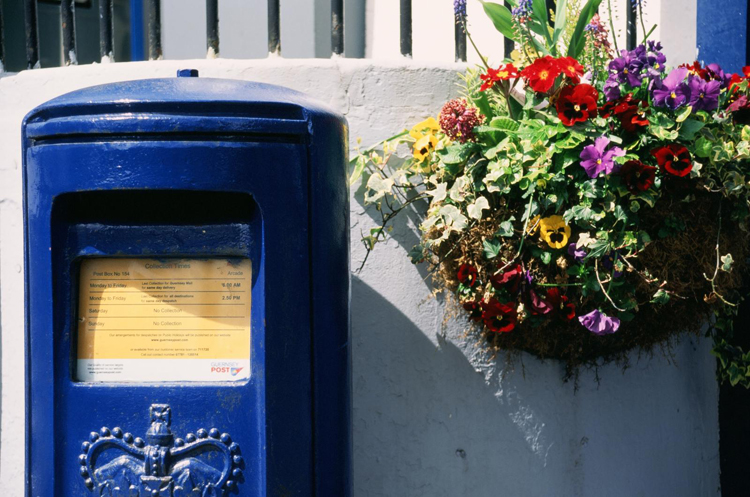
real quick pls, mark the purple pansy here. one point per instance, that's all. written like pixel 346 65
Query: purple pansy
pixel 671 91
pixel 612 89
pixel 627 68
pixel 596 159
pixel 704 95
pixel 599 323
pixel 578 254
pixel 715 72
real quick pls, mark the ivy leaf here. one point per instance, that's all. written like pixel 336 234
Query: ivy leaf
pixel 357 165
pixel 598 249
pixel 439 193
pixel 703 147
pixel 491 248
pixel 378 187
pixel 416 254
pixel 660 297
pixel 475 209
pixel 684 114
pixel 690 128
pixel 546 257
pixel 452 214
pixel 726 263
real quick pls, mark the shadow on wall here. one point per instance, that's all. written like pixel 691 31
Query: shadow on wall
pixel 427 422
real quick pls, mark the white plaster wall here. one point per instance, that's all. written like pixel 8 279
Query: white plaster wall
pixel 432 415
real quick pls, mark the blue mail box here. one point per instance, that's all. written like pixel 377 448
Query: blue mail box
pixel 187 292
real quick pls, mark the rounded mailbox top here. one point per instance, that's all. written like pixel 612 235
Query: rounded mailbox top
pixel 183 104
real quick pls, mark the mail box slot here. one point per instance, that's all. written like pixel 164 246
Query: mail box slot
pixel 187 292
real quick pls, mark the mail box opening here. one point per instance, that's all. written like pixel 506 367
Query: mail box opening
pixel 162 284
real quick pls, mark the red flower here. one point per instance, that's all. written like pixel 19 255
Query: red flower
pixel 538 305
pixel 637 176
pixel 474 310
pixel 502 73
pixel 509 279
pixel 571 68
pixel 561 306
pixel 740 110
pixel 746 71
pixel 696 69
pixel 674 158
pixel 577 104
pixel 467 275
pixel 628 111
pixel 498 317
pixel 541 74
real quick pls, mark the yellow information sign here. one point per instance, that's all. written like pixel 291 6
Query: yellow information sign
pixel 164 320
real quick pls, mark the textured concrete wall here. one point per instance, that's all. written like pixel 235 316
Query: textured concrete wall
pixel 433 416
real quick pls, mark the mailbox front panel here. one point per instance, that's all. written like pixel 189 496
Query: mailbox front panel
pixel 100 203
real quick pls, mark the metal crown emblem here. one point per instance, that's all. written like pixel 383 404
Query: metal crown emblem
pixel 160 466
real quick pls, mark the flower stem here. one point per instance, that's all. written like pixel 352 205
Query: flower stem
pixel 612 26
pixel 601 285
pixel 468 35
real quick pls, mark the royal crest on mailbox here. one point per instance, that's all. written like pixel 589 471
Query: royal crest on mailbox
pixel 161 465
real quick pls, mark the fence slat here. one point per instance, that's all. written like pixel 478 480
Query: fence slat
pixel 2 40
pixel 631 40
pixel 274 27
pixel 508 44
pixel 154 30
pixel 106 30
pixel 32 34
pixel 460 42
pixel 212 28
pixel 406 49
pixel 337 27
pixel 68 21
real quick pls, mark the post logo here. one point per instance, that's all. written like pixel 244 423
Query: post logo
pixel 234 371
pixel 226 367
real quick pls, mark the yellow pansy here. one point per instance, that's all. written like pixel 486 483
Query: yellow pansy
pixel 424 146
pixel 427 127
pixel 554 231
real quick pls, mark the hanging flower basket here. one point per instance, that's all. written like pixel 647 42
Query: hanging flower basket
pixel 579 201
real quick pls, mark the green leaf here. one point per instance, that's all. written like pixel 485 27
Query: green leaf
pixel 684 114
pixel 506 228
pixel 660 297
pixel 416 254
pixel 475 210
pixel 577 41
pixel 539 13
pixel 504 123
pixel 546 257
pixel 726 263
pixel 491 248
pixel 501 18
pixel 483 104
pixel 689 129
pixel 561 17
pixel 703 147
pixel 598 249
pixel 357 165
pixel 456 154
